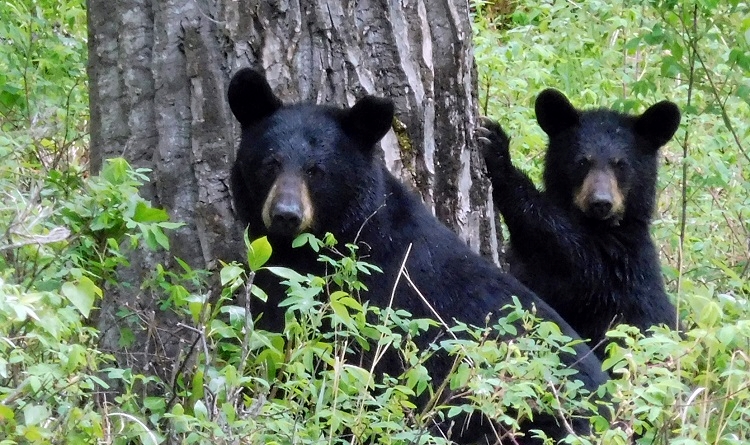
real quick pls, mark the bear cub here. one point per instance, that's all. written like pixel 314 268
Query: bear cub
pixel 583 244
pixel 314 168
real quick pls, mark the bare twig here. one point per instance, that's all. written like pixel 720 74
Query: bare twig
pixel 146 429
pixel 380 350
pixel 248 321
pixel 54 235
pixel 565 422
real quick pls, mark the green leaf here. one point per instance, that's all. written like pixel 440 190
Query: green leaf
pixel 197 385
pixel 35 414
pixel 115 170
pixel 82 294
pixel 127 337
pixel 171 225
pixel 340 310
pixel 302 239
pixel 230 273
pixel 160 237
pixel 196 308
pixel 200 410
pixel 144 213
pixel 6 414
pixel 259 293
pixel 157 404
pixel 287 274
pixel 454 411
pixel 258 253
pixel 726 334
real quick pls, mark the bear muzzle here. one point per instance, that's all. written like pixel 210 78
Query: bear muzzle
pixel 288 210
pixel 600 196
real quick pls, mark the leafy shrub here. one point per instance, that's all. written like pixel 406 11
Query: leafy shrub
pixel 64 234
pixel 304 385
pixel 58 251
pixel 628 55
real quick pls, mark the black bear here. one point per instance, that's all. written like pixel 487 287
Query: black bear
pixel 583 244
pixel 314 168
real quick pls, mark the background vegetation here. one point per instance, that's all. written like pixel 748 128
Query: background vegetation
pixel 64 232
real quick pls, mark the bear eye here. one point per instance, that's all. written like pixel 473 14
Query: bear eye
pixel 270 167
pixel 583 162
pixel 314 171
pixel 618 164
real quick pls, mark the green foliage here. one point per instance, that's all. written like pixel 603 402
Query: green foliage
pixel 48 366
pixel 318 380
pixel 43 91
pixel 56 255
pixel 686 390
pixel 61 231
pixel 64 233
pixel 628 55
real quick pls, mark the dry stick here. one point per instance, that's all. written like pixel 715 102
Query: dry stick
pixel 724 116
pixel 136 420
pixel 445 325
pixel 446 380
pixel 248 321
pixel 54 235
pixel 107 427
pixel 200 337
pixel 16 394
pixel 62 149
pixel 560 410
pixel 432 309
pixel 380 350
pixel 692 55
pixel 359 232
pixel 732 227
pixel 338 366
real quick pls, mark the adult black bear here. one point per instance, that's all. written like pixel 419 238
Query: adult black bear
pixel 583 244
pixel 314 168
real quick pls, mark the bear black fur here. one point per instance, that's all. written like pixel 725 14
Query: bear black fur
pixel 583 244
pixel 314 168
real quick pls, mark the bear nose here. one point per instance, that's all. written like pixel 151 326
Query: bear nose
pixel 600 207
pixel 286 218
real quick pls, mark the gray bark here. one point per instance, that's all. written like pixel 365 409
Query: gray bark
pixel 158 74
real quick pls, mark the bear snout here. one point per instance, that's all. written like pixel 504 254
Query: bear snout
pixel 286 218
pixel 600 197
pixel 288 210
pixel 601 207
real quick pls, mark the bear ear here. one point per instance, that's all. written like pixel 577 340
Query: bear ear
pixel 554 112
pixel 369 119
pixel 659 123
pixel 250 97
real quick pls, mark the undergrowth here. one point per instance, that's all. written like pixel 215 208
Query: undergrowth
pixel 66 231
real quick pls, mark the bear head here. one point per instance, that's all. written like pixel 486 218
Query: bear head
pixel 600 162
pixel 302 167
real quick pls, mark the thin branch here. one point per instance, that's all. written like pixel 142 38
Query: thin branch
pixel 139 422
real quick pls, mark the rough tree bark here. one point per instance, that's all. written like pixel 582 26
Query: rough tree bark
pixel 158 73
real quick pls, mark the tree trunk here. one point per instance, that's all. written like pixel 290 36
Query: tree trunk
pixel 158 74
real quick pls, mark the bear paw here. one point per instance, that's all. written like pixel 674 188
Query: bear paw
pixel 494 145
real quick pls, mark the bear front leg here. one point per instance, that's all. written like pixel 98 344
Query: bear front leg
pixel 512 189
pixel 535 224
